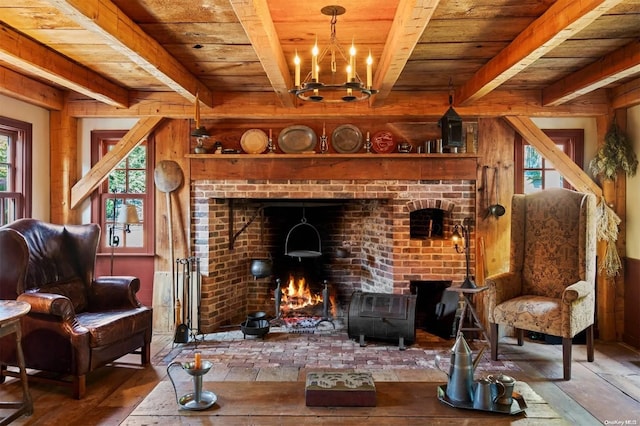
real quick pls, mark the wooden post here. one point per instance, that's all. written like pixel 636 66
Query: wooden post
pixel 64 165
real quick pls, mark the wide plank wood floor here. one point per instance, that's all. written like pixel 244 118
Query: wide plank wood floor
pixel 606 391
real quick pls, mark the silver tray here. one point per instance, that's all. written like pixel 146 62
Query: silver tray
pixel 517 406
pixel 297 139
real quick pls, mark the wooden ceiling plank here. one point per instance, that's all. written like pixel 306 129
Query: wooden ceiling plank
pixel 400 105
pixel 561 21
pixel 615 66
pixel 104 18
pixel 256 20
pixel 409 23
pixel 100 171
pixel 626 95
pixel 548 149
pixel 36 59
pixel 28 90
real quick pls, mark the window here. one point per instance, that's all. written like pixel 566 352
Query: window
pixel 15 170
pixel 534 172
pixel 129 184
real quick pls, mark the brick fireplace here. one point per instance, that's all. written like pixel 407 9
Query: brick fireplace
pixel 235 220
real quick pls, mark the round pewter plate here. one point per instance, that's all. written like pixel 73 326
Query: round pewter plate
pixel 297 139
pixel 346 139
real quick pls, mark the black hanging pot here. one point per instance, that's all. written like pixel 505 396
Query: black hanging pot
pixel 261 268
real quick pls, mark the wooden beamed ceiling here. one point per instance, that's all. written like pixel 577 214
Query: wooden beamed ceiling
pixel 128 58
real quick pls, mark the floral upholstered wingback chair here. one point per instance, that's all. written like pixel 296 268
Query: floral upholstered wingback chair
pixel 550 285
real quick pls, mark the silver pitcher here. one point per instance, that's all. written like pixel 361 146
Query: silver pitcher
pixel 461 369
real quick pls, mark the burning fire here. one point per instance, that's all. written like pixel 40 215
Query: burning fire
pixel 298 295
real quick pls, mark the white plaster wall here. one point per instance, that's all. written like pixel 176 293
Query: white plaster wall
pixel 633 187
pixel 85 127
pixel 41 177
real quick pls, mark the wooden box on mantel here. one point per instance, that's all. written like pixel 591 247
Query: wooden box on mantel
pixel 340 389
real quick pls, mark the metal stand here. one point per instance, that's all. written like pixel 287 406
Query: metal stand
pixel 190 281
pixel 325 306
pixel 468 307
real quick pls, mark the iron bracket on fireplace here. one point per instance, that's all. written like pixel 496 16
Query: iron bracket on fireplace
pixel 233 236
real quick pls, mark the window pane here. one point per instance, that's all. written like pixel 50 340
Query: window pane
pixel 553 179
pixel 117 184
pixel 4 177
pixel 137 182
pixel 4 148
pixel 138 157
pixel 136 237
pixel 532 181
pixel 532 159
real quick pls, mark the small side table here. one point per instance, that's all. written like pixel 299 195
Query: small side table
pixel 10 313
pixel 467 294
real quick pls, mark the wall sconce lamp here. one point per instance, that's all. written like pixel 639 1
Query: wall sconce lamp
pixel 461 236
pixel 128 215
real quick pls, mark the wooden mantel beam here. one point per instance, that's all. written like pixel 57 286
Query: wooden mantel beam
pixel 400 106
pixel 409 23
pixel 548 149
pixel 99 172
pixel 561 21
pixel 256 20
pixel 36 59
pixel 105 19
pixel 617 65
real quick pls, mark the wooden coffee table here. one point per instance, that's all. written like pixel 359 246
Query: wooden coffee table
pixel 283 403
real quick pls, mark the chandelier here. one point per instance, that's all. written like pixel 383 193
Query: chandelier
pixel 353 88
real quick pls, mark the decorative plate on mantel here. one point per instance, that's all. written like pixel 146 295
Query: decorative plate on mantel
pixel 346 139
pixel 383 142
pixel 254 141
pixel 297 139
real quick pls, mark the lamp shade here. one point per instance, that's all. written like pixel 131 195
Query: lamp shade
pixel 128 214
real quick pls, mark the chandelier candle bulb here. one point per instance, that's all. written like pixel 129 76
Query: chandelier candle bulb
pixel 296 61
pixel 314 61
pixel 352 60
pixel 369 73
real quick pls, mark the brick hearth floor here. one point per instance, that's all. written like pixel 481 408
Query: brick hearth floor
pixel 286 356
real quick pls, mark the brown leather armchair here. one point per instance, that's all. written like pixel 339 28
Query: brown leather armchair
pixel 77 323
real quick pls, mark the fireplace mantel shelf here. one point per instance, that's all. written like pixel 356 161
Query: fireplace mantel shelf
pixel 333 166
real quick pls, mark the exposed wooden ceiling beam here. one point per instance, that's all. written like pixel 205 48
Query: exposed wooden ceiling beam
pixel 409 23
pixel 99 172
pixel 549 150
pixel 36 59
pixel 626 95
pixel 401 106
pixel 617 65
pixel 256 20
pixel 28 90
pixel 562 20
pixel 104 18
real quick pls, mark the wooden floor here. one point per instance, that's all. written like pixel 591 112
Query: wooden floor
pixel 606 391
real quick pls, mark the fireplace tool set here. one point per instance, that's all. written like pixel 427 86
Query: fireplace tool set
pixel 186 299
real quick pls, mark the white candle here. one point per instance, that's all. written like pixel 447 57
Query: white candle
pixel 352 60
pixel 314 63
pixel 369 73
pixel 296 61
